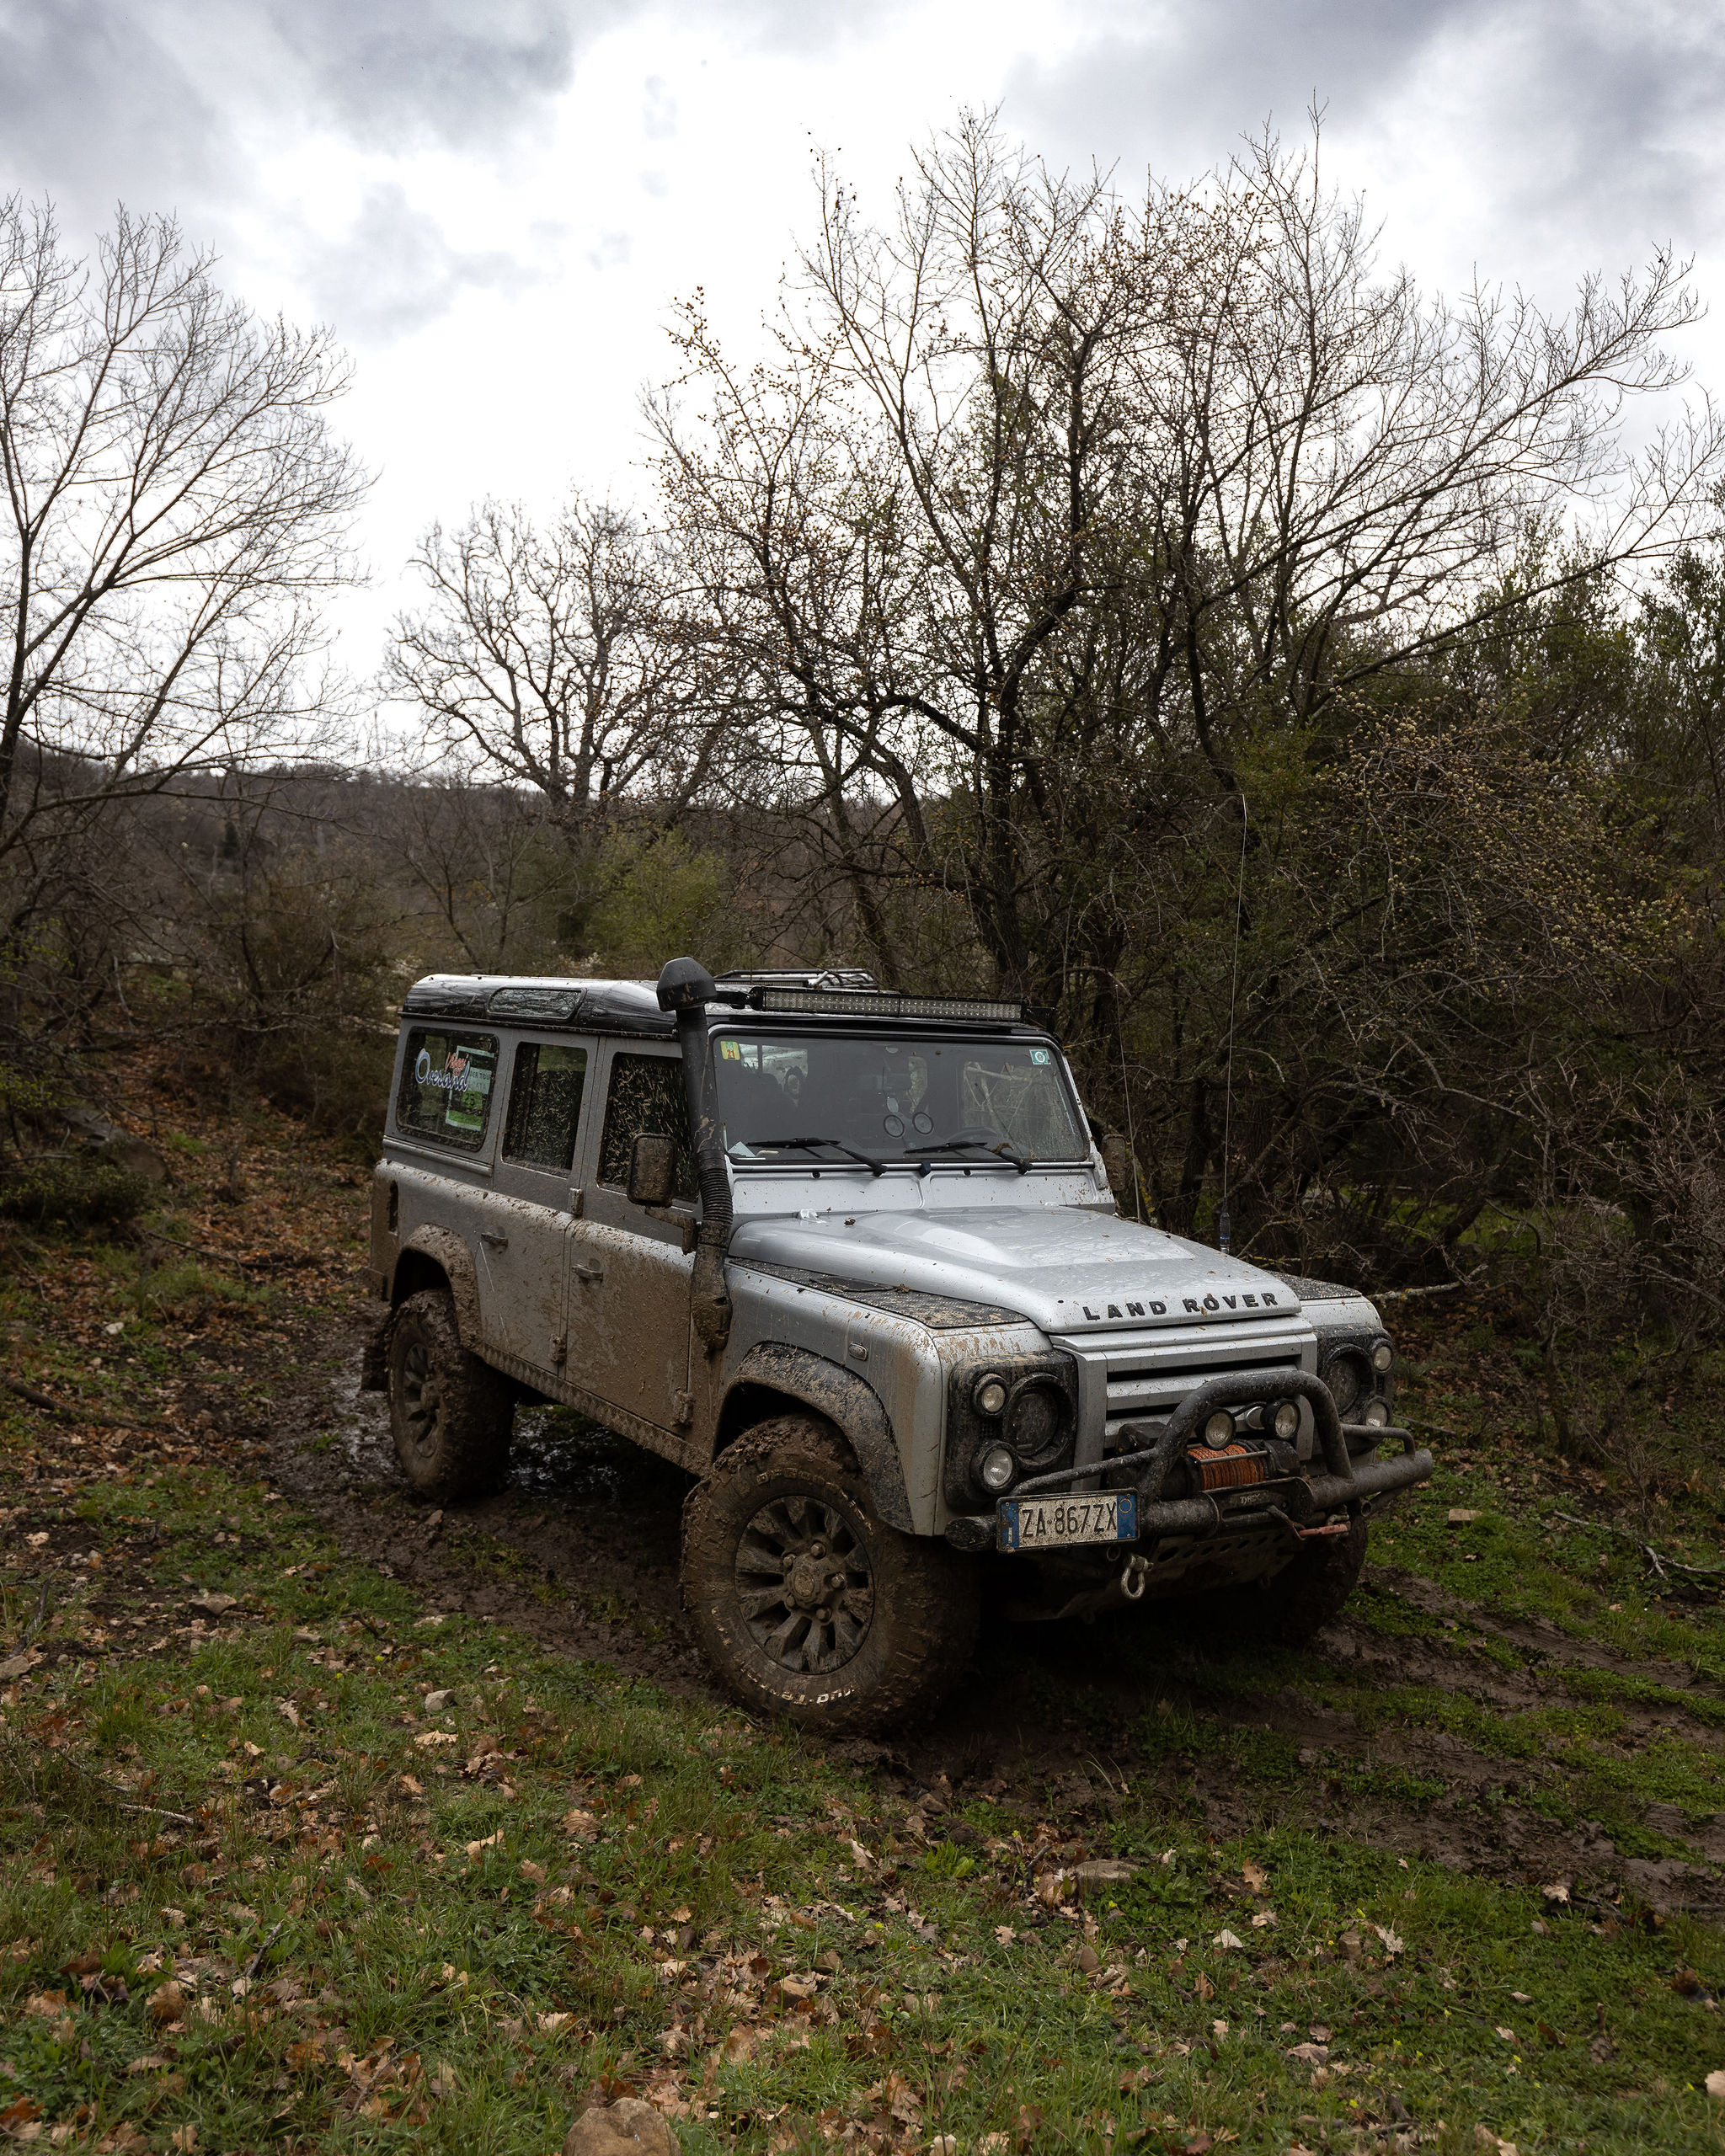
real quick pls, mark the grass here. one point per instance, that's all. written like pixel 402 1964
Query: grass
pixel 291 1859
pixel 388 1922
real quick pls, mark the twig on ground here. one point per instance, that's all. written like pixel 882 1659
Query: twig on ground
pixel 1658 1563
pixel 49 1406
pixel 155 1811
pixel 1442 1287
pixel 197 1250
pixel 257 1960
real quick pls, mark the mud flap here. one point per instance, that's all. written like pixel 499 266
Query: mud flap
pixel 374 1362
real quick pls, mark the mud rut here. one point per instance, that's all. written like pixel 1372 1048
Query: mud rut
pixel 580 1551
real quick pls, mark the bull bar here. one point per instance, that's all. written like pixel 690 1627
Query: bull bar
pixel 1345 1484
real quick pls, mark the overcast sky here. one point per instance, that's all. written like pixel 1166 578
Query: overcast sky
pixel 494 201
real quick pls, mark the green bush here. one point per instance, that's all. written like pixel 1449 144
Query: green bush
pixel 73 1195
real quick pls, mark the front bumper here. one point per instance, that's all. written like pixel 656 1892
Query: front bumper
pixel 1300 1504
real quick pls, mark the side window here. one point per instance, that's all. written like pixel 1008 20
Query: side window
pixel 646 1095
pixel 545 1105
pixel 445 1087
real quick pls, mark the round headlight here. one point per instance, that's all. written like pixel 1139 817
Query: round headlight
pixel 1219 1430
pixel 1382 1356
pixel 1346 1380
pixel 1377 1414
pixel 1287 1423
pixel 1036 1420
pixel 995 1468
pixel 990 1393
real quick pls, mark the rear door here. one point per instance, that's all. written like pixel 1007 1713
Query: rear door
pixel 524 1227
pixel 629 1273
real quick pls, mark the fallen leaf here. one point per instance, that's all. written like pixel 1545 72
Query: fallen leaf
pixel 1227 1941
pixel 1715 2085
pixel 1508 2035
pixel 1558 1890
pixel 1461 1516
pixel 1256 1877
pixel 1264 1917
pixel 534 1873
pixel 215 1604
pixel 429 1737
pixel 1393 1942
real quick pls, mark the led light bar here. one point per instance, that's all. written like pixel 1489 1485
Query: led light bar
pixel 822 1002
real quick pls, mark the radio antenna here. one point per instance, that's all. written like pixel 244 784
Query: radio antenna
pixel 1225 1225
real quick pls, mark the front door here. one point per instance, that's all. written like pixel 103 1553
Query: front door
pixel 629 1275
pixel 525 1219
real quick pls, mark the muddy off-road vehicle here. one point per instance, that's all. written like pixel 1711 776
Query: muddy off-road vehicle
pixel 854 1261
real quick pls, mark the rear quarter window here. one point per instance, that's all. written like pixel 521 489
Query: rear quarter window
pixel 446 1082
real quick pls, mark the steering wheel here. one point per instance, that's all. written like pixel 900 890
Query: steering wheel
pixel 981 1132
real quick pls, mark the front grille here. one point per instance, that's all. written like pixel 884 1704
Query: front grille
pixel 1143 1376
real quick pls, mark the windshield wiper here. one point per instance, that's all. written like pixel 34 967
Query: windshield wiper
pixel 808 1146
pixel 1003 1151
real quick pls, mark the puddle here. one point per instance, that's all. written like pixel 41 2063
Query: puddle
pixel 559 1453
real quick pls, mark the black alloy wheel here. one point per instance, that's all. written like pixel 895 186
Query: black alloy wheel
pixel 804 1583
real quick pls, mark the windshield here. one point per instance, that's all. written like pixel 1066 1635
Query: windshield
pixel 890 1101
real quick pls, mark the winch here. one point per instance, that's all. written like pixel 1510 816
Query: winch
pixel 1239 1465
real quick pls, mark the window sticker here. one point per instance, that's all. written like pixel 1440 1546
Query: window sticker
pixel 731 1051
pixel 1039 1056
pixel 445 1089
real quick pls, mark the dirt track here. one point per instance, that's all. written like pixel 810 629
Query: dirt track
pixel 580 1551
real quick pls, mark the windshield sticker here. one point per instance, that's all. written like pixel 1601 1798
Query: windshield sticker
pixel 731 1051
pixel 1039 1055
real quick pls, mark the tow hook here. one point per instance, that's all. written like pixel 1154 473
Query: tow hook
pixel 1134 1576
pixel 1304 1534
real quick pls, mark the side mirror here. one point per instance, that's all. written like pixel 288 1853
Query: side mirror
pixel 653 1170
pixel 1117 1161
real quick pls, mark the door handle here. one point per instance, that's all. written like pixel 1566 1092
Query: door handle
pixel 496 1241
pixel 589 1271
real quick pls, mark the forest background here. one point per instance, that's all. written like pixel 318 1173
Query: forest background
pixel 1310 691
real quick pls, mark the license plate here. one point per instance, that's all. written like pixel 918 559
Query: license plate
pixel 1051 1522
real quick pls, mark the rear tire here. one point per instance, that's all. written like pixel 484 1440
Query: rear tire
pixel 805 1603
pixel 451 1415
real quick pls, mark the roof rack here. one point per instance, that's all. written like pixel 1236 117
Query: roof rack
pixel 799 977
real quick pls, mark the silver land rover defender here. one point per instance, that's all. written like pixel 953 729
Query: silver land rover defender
pixel 852 1260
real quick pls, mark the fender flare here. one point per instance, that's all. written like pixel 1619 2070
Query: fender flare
pixel 451 1255
pixel 846 1401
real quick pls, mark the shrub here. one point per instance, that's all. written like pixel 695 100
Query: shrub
pixel 74 1194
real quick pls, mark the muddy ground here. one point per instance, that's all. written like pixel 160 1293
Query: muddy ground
pixel 580 1551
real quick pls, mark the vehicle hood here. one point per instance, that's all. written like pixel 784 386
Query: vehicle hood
pixel 1068 1270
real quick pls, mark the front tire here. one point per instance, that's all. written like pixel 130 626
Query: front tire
pixel 1305 1595
pixel 451 1415
pixel 804 1601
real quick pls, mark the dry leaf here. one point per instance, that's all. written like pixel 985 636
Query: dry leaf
pixel 1256 1877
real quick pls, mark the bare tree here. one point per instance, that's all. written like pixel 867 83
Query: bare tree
pixel 1059 524
pixel 175 510
pixel 556 659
